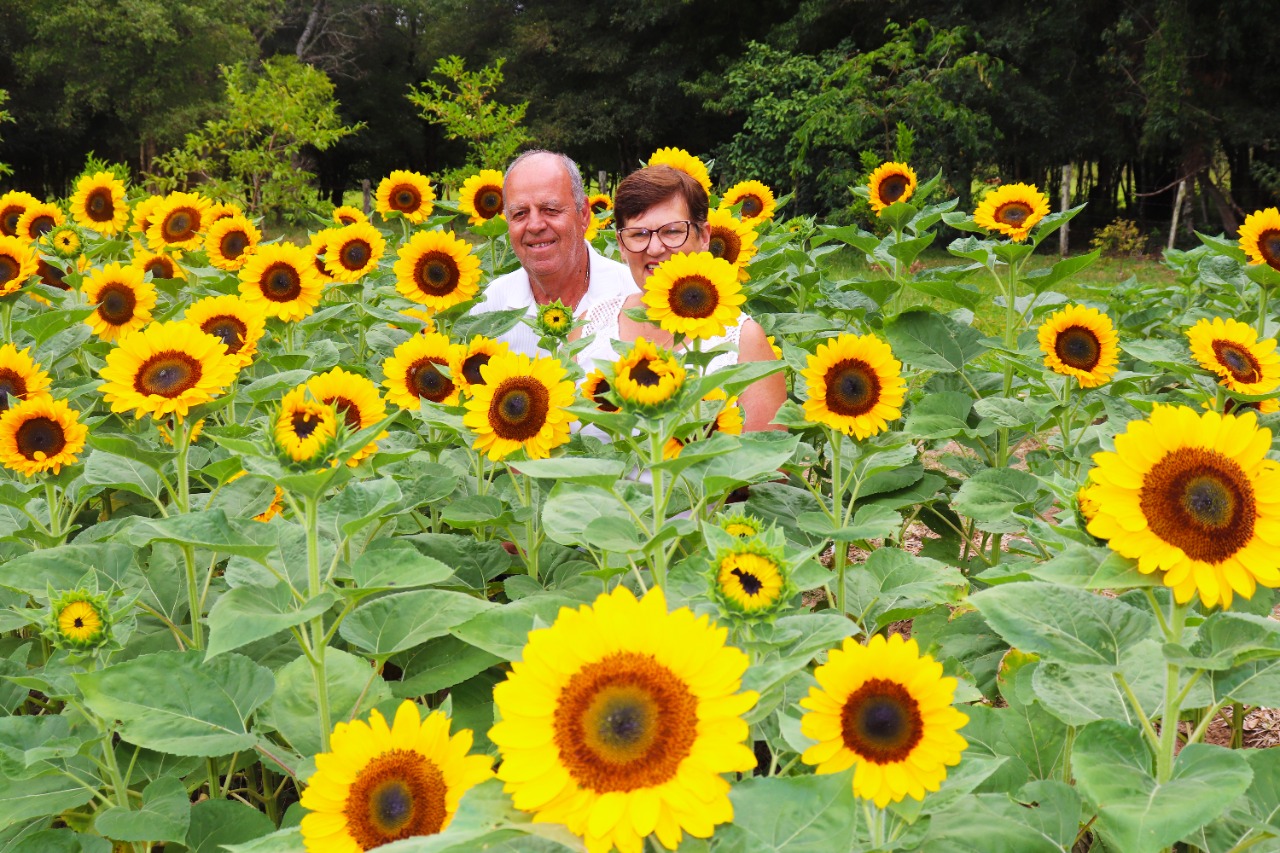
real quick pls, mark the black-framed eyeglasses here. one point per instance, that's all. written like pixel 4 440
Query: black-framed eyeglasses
pixel 673 235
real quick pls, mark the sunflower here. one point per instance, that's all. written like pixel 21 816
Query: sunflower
pixel 230 241
pixel 318 250
pixel 600 203
pixel 178 222
pixel 647 376
pixel 1259 237
pixel 143 211
pixel 274 508
pixel 481 196
pixel 79 620
pixel 885 709
pixel 169 426
pixel 17 263
pixel 65 240
pixel 353 252
pixel 381 783
pixel 773 346
pixel 413 372
pixel 1013 210
pixel 357 400
pixel 620 720
pixel 20 377
pixel 1232 350
pixel 521 405
pixel 750 580
pixel 741 526
pixel 758 203
pixel 164 369
pixel 555 320
pixel 39 219
pixel 1087 501
pixel 424 320
pixel 728 420
pixel 406 193
pixel 281 279
pixel 891 183
pixel 696 294
pixel 12 205
pixel 468 361
pixel 305 427
pixel 123 299
pixel 40 434
pixel 1080 342
pixel 438 270
pixel 731 239
pixel 678 158
pixel 162 265
pixel 219 210
pixel 239 324
pixel 1194 497
pixel 855 385
pixel 348 215
pixel 99 203
pixel 594 388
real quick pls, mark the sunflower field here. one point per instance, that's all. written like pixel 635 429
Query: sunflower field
pixel 294 555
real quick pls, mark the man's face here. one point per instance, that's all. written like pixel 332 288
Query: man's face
pixel 546 229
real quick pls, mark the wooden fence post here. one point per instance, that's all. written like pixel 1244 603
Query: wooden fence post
pixel 368 196
pixel 1177 209
pixel 1064 202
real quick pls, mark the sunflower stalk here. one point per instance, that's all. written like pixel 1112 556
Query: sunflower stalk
pixel 658 561
pixel 1173 697
pixel 318 638
pixel 55 511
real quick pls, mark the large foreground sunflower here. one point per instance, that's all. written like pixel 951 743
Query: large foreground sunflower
pixel 481 196
pixel 1232 350
pixel 731 239
pixel 40 434
pixel 357 400
pixel 413 372
pixel 855 385
pixel 17 263
pixel 232 320
pixel 438 270
pixel 1194 497
pixel 886 710
pixel 890 183
pixel 305 427
pixel 230 242
pixel 1080 342
pixel 1260 237
pixel 694 294
pixel 620 720
pixel 647 376
pixel 1012 210
pixel 406 193
pixel 99 203
pixel 178 221
pixel 678 158
pixel 758 203
pixel 381 783
pixel 20 377
pixel 123 300
pixel 353 252
pixel 281 279
pixel 13 204
pixel 521 405
pixel 164 369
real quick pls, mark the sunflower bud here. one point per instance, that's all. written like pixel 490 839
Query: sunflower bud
pixel 79 621
pixel 555 320
pixel 750 581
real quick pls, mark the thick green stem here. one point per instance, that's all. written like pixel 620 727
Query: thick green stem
pixel 55 510
pixel 840 550
pixel 658 560
pixel 533 535
pixel 318 642
pixel 1262 312
pixel 193 596
pixel 1172 700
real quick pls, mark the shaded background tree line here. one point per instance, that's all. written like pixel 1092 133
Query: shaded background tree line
pixel 1136 96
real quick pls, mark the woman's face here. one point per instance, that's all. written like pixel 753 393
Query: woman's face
pixel 673 209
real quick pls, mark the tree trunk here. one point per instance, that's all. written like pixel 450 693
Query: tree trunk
pixel 312 20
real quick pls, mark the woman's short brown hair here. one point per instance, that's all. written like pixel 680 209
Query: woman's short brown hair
pixel 644 188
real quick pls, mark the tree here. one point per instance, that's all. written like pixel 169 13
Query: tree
pixel 4 117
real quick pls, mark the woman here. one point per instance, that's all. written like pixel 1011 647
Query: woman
pixel 658 212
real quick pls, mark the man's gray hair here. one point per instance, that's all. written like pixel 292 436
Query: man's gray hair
pixel 575 176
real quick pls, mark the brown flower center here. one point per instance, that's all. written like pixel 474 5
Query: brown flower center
pixel 280 282
pixel 1013 213
pixel 725 243
pixel 488 203
pixel 180 224
pixel 471 367
pixel 355 254
pixel 40 438
pixel 694 296
pixel 117 303
pixel 9 268
pixel 643 374
pixel 397 795
pixel 852 387
pixel 1269 247
pixel 161 266
pixel 41 225
pixel 9 217
pixel 229 329
pixel 598 397
pixel 13 385
pixel 893 188
pixel 880 722
pixel 1078 347
pixel 1201 501
pixel 168 374
pixel 752 206
pixel 1238 360
pixel 405 198
pixel 99 205
pixel 304 423
pixel 436 274
pixel 750 583
pixel 423 379
pixel 233 244
pixel 349 411
pixel 519 408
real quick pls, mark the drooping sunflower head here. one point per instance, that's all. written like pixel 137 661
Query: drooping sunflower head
pixel 1193 497
pixel 555 320
pixel 17 263
pixel 357 400
pixel 468 361
pixel 161 265
pixel 164 369
pixel 65 240
pixel 413 372
pixel 318 251
pixel 1080 342
pixel 595 388
pixel 348 215
pixel 647 377
pixel 731 239
pixel 12 205
pixel 282 280
pixel 886 710
pixel 678 158
pixel 40 434
pixel 219 210
pixel 1259 237
pixel 354 251
pixel 891 183
pixel 306 428
pixel 758 203
pixel 99 203
pixel 600 203
pixel 38 220
pixel 438 270
pixel 237 323
pixel 273 509
pixel 750 581
pixel 408 194
pixel 123 300
pixel 481 196
pixel 79 620
pixel 178 222
pixel 646 717
pixel 1231 349
pixel 230 241
pixel 20 377
pixel 855 385
pixel 520 406
pixel 741 525
pixel 144 210
pixel 1012 210
pixel 696 295
pixel 724 414
pixel 1087 501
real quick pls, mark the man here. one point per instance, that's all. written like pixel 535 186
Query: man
pixel 547 218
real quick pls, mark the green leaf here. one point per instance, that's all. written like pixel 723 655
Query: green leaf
pixel 281 841
pixel 869 522
pixel 65 566
pixel 248 613
pixel 1080 695
pixel 1043 818
pixel 476 511
pixel 504 631
pixel 927 340
pixel 1066 625
pixel 963 295
pixel 354 688
pixel 894 585
pixel 568 511
pixel 758 456
pixel 130 475
pixel 360 503
pixel 1043 279
pixel 218 822
pixel 993 496
pixel 57 841
pixel 210 530
pixel 940 415
pixel 1094 568
pixel 177 702
pixel 395 623
pixel 1006 412
pixel 43 795
pixel 165 815
pixel 1136 813
pixel 398 565
pixel 795 814
pixel 26 743
pixel 593 472
pixel 438 664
